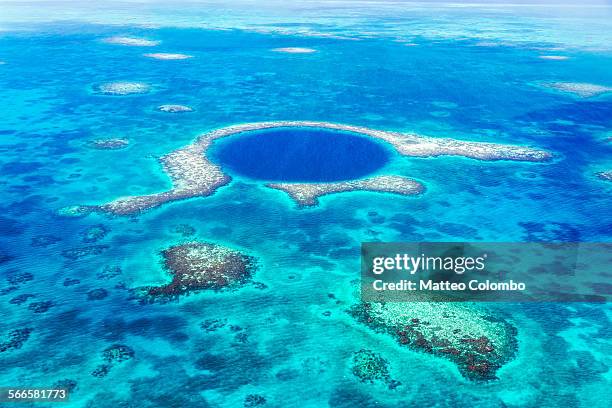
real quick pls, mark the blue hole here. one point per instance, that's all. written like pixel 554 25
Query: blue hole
pixel 300 155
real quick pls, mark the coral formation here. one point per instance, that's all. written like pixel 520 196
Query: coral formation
pixel 44 240
pixel 307 194
pixel 295 50
pixel 97 294
pixel 81 252
pixel 584 90
pixel 131 41
pixel 14 339
pixel 122 88
pixel 475 341
pixel 185 230
pixel 19 299
pixel 113 355
pixel 174 108
pixel 369 366
pixel 109 272
pixel 194 175
pixel 605 175
pixel 168 56
pixel 196 266
pixel 40 307
pixel 254 400
pixel 109 144
pixel 94 233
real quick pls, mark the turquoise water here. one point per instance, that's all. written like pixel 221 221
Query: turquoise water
pixel 300 155
pixel 472 73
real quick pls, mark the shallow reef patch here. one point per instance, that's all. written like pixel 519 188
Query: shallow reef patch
pixel 168 56
pixel 478 343
pixel 131 41
pixel 108 144
pixel 196 266
pixel 581 89
pixel 605 175
pixel 122 88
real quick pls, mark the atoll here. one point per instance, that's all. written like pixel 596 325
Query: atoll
pixel 122 88
pixel 194 175
pixel 307 194
pixel 131 41
pixel 605 175
pixel 168 56
pixel 15 339
pixel 478 343
pixel 295 50
pixel 174 108
pixel 109 144
pixel 584 90
pixel 197 266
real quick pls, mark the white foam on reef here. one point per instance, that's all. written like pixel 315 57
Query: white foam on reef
pixel 123 88
pixel 582 89
pixel 295 50
pixel 168 56
pixel 194 175
pixel 174 108
pixel 554 57
pixel 131 41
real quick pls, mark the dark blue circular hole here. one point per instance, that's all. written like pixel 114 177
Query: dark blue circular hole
pixel 300 155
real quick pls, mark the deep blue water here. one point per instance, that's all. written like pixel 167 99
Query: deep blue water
pixel 299 336
pixel 316 155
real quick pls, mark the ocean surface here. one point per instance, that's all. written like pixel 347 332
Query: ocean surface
pixel 471 73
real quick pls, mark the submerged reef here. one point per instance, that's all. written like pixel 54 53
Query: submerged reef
pixel 113 355
pixel 15 339
pixel 81 252
pixel 369 366
pixel 254 400
pixel 476 342
pixel 295 50
pixel 307 194
pixel 121 88
pixel 94 233
pixel 197 266
pixel 109 144
pixel 168 56
pixel 584 90
pixel 554 57
pixel 174 108
pixel 605 175
pixel 131 41
pixel 194 175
